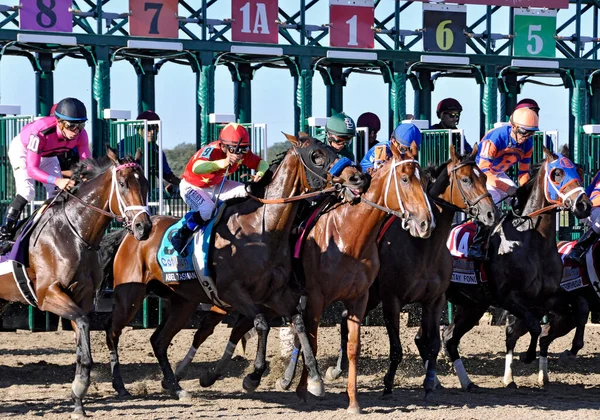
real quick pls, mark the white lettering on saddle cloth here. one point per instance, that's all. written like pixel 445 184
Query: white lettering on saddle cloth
pixel 571 279
pixel 463 272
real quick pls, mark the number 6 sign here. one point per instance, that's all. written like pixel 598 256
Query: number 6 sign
pixel 534 33
pixel 153 18
pixel 46 15
pixel 351 22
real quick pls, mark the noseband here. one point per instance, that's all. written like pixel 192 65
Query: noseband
pixel 123 208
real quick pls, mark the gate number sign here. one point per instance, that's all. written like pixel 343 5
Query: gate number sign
pixel 534 33
pixel 46 15
pixel 351 22
pixel 444 26
pixel 153 18
pixel 254 21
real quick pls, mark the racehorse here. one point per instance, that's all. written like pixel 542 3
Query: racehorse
pixel 524 270
pixel 250 261
pixel 419 270
pixel 63 262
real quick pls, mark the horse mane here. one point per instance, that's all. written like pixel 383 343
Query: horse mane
pixel 524 191
pixel 91 168
pixel 257 189
pixel 433 172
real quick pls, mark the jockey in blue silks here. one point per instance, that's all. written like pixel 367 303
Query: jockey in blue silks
pixel 404 135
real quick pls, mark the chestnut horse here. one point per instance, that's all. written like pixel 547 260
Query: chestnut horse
pixel 64 266
pixel 525 269
pixel 250 261
pixel 419 270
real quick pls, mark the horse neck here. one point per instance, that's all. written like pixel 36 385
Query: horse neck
pixel 443 220
pixel 89 223
pixel 545 223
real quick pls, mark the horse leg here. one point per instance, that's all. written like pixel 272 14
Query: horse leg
pixel 356 313
pixel 205 330
pixel 180 311
pixel 128 298
pixel 307 331
pixel 465 318
pixel 252 380
pixel 391 317
pixel 283 384
pixel 428 341
pixel 515 329
pixel 341 365
pixel 512 303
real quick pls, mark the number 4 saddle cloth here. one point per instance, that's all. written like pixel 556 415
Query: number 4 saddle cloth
pixel 465 271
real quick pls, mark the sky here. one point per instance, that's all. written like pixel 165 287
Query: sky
pixel 272 89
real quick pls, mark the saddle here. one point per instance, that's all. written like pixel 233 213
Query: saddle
pixel 577 276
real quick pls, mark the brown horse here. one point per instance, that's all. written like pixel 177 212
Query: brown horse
pixel 419 270
pixel 524 270
pixel 64 267
pixel 250 261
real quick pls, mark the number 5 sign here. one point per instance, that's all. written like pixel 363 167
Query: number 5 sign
pixel 534 33
pixel 351 22
pixel 153 18
pixel 444 25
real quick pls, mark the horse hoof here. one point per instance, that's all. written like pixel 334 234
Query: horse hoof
pixel 124 394
pixel 282 385
pixel 207 379
pixel 354 410
pixel 316 387
pixel 565 358
pixel 472 387
pixel 429 385
pixel 250 384
pixel 183 395
pixel 439 386
pixel 333 373
pixel 511 385
pixel 78 414
pixel 387 392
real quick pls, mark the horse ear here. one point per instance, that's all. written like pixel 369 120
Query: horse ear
pixel 395 151
pixel 452 153
pixel 564 150
pixel 548 153
pixel 138 155
pixel 292 139
pixel 112 154
pixel 475 150
pixel 414 149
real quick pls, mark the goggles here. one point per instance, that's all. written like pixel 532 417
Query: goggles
pixel 453 114
pixel 69 125
pixel 339 140
pixel 525 133
pixel 240 150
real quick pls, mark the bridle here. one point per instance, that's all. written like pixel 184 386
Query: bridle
pixel 471 206
pixel 403 214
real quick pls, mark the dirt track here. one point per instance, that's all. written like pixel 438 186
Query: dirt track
pixel 36 371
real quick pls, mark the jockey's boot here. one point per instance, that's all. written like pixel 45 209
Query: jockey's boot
pixel 7 232
pixel 180 239
pixel 477 250
pixel 578 251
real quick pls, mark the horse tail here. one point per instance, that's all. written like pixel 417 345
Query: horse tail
pixel 108 250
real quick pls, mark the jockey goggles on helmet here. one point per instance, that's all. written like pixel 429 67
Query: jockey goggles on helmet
pixel 339 139
pixel 238 150
pixel 69 125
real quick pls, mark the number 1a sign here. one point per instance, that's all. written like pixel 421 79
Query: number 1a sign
pixel 534 33
pixel 351 23
pixel 40 15
pixel 254 21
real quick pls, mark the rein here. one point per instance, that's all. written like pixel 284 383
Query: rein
pixel 471 209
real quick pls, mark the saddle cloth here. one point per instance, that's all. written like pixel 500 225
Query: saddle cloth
pixel 576 276
pixel 465 271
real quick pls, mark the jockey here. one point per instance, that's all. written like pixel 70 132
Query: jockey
pixel 591 235
pixel 205 174
pixel 404 135
pixel 372 122
pixel 448 111
pixel 151 136
pixel 339 132
pixel 33 152
pixel 499 150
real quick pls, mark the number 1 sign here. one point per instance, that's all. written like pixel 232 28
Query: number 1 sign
pixel 46 15
pixel 534 33
pixel 351 23
pixel 153 18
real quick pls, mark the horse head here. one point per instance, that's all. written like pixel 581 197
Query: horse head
pixel 398 184
pixel 320 166
pixel 466 188
pixel 562 184
pixel 128 194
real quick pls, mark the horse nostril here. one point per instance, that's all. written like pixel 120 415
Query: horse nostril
pixel 424 225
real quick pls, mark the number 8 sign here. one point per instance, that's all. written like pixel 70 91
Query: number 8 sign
pixel 46 15
pixel 351 22
pixel 534 33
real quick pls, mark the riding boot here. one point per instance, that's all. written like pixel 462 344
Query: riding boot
pixel 477 250
pixel 13 214
pixel 578 251
pixel 182 237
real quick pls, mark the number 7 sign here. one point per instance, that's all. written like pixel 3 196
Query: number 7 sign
pixel 351 23
pixel 153 18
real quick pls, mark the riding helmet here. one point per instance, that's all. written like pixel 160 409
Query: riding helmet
pixel 370 120
pixel 341 125
pixel 525 118
pixel 71 109
pixel 448 104
pixel 406 133
pixel 528 103
pixel 148 115
pixel 234 134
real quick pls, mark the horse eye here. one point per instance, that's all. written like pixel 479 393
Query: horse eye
pixel 465 180
pixel 405 179
pixel 317 158
pixel 122 184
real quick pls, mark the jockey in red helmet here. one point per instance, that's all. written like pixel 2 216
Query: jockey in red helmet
pixel 205 174
pixel 448 111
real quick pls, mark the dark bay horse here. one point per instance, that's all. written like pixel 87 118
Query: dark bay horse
pixel 250 261
pixel 524 270
pixel 415 270
pixel 64 266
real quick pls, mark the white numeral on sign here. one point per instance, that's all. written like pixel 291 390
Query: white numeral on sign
pixel 261 24
pixel 352 35
pixel 538 43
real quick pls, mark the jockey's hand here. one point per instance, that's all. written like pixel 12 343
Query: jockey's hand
pixel 233 158
pixel 172 189
pixel 64 183
pixel 257 177
pixel 511 191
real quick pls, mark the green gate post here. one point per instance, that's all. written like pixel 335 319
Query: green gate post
pixel 303 81
pixel 146 74
pixel 508 96
pixel 489 101
pixel 205 98
pixel 579 114
pixel 335 90
pixel 44 84
pixel 422 109
pixel 595 100
pixel 242 93
pixel 100 99
pixel 397 95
